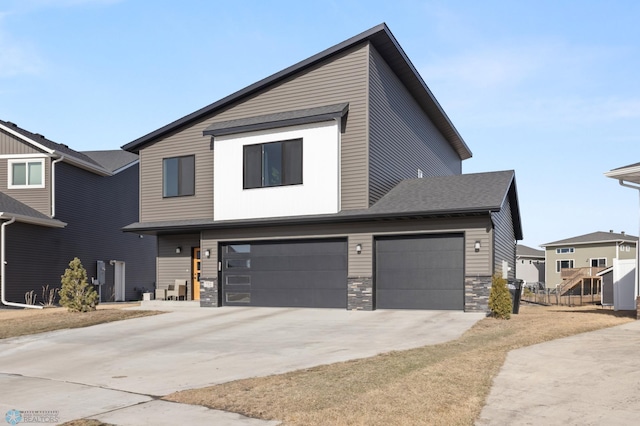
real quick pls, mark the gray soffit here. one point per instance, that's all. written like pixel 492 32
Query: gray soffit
pixel 630 173
pixel 10 207
pixel 384 42
pixel 277 120
pixel 482 194
pixel 594 238
pixel 525 251
pixel 72 156
pixel 112 160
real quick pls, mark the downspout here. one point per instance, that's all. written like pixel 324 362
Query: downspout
pixel 636 187
pixel 53 185
pixel 2 270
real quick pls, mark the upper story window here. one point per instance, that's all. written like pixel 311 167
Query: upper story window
pixel 272 164
pixel 565 250
pixel 26 174
pixel 178 176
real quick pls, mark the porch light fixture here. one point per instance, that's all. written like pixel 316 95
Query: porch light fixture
pixel 207 253
pixel 358 248
pixel 476 246
pixel 178 250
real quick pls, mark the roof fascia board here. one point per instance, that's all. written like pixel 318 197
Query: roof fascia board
pixel 125 167
pixel 622 171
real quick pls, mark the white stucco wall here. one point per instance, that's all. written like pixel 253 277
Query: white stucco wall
pixel 319 192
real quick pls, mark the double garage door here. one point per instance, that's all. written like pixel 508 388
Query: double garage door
pixel 305 273
pixel 422 272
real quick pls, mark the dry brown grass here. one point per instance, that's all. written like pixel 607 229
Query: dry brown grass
pixel 444 384
pixel 20 322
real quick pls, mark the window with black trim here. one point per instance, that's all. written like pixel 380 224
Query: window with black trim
pixel 272 164
pixel 178 176
pixel 564 264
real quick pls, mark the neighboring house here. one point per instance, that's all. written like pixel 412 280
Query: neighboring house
pixel 69 204
pixel 529 265
pixel 333 183
pixel 591 253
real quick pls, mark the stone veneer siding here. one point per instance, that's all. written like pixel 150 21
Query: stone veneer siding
pixel 208 292
pixel 360 293
pixel 476 293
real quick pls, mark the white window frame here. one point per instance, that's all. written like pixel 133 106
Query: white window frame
pixel 558 268
pixel 10 164
pixel 565 250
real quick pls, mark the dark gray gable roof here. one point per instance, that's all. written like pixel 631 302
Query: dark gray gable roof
pixel 594 237
pixel 478 194
pixel 627 167
pixel 281 119
pixel 525 251
pixel 40 139
pixel 10 207
pixel 112 160
pixel 467 192
pixel 385 43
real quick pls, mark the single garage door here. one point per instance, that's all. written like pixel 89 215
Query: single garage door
pixel 300 273
pixel 420 272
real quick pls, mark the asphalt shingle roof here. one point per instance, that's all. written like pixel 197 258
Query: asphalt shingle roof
pixel 38 138
pixel 594 237
pixel 112 160
pixel 281 119
pixel 9 206
pixel 525 251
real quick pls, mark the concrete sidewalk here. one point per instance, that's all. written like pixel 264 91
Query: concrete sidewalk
pixel 587 379
pixel 115 372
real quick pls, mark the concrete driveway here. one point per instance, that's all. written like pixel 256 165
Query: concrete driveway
pixel 587 379
pixel 115 372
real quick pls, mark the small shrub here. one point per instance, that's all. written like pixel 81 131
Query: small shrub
pixel 76 294
pixel 499 298
pixel 49 296
pixel 30 297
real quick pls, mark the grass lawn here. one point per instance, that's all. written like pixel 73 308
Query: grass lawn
pixel 20 322
pixel 444 384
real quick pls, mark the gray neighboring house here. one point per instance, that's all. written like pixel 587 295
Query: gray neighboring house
pixel 66 204
pixel 529 265
pixel 333 183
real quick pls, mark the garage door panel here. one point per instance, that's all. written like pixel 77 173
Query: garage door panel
pixel 297 273
pixel 416 299
pixel 420 272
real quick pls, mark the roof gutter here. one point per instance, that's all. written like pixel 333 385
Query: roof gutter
pixel 3 276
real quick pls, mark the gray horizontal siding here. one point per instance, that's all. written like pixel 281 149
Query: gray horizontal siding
pixel 504 239
pixel 95 209
pixel 341 79
pixel 402 137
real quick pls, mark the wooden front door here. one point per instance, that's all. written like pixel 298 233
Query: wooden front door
pixel 195 279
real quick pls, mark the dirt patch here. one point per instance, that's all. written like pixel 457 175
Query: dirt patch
pixel 20 322
pixel 444 384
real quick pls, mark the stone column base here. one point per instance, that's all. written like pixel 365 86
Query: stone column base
pixel 476 293
pixel 360 293
pixel 208 292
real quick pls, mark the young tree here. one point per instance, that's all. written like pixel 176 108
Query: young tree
pixel 76 294
pixel 499 298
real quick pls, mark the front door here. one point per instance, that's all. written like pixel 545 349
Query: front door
pixel 195 280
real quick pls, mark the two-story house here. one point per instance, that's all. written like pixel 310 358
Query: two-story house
pixel 56 204
pixel 336 183
pixel 586 254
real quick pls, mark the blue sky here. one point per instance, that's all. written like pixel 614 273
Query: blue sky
pixel 547 88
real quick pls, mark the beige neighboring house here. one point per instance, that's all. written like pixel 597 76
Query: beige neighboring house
pixel 590 252
pixel 529 265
